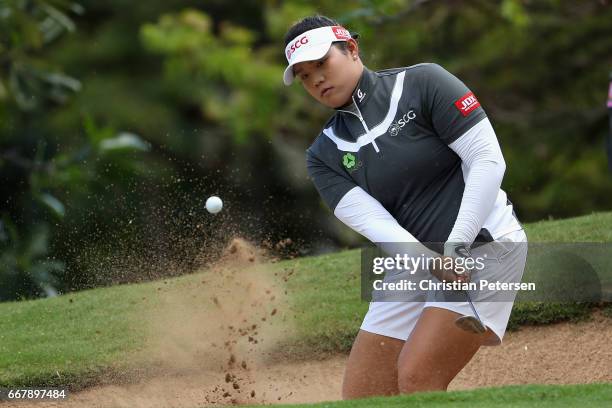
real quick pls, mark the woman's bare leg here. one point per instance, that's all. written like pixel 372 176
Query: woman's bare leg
pixel 372 366
pixel 436 351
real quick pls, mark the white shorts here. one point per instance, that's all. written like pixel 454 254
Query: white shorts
pixel 397 319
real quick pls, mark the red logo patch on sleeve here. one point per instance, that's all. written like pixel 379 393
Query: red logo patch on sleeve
pixel 467 103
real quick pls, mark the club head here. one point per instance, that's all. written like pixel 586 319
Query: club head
pixel 470 324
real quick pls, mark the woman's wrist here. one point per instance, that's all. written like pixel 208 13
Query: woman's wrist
pixel 446 269
pixel 456 248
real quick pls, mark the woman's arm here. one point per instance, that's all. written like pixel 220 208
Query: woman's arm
pixel 365 215
pixel 484 166
pixel 461 123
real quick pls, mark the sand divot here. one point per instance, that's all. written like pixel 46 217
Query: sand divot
pixel 228 313
pixel 215 336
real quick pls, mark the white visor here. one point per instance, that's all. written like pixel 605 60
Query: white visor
pixel 311 46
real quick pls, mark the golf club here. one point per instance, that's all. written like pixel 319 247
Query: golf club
pixel 469 323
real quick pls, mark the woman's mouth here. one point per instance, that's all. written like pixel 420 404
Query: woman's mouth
pixel 326 91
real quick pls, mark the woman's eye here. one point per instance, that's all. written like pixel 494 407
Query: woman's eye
pixel 304 77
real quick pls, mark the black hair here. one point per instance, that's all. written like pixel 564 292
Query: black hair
pixel 312 22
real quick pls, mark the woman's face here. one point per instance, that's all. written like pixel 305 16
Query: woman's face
pixel 332 79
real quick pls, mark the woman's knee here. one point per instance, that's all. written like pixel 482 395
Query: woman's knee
pixel 409 381
pixel 363 385
pixel 372 366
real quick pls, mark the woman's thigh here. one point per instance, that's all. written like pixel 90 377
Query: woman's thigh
pixel 436 351
pixel 372 366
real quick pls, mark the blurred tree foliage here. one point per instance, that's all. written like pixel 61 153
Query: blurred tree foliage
pixel 85 205
pixel 40 171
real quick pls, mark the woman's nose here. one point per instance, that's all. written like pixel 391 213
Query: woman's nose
pixel 319 79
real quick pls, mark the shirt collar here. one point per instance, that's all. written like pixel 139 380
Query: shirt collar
pixel 363 89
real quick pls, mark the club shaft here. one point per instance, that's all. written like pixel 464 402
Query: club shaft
pixel 467 294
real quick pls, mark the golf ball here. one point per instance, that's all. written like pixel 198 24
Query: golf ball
pixel 214 204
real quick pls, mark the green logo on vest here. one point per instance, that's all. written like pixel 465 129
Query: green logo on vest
pixel 348 160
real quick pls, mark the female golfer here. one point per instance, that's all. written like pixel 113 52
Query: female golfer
pixel 409 156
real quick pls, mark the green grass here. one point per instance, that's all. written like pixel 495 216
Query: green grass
pixel 326 300
pixel 71 338
pixel 594 227
pixel 567 396
pixel 62 342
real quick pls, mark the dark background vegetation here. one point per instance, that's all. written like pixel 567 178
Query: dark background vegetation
pixel 119 118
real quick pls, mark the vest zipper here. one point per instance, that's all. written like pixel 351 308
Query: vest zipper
pixel 360 116
pixel 365 126
pixel 375 146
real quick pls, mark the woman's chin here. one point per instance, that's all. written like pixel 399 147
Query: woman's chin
pixel 335 103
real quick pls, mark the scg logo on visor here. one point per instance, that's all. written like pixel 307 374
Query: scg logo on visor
pixel 297 44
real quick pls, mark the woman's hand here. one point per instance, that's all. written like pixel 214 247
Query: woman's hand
pixel 447 269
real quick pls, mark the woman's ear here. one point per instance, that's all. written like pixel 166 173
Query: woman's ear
pixel 353 48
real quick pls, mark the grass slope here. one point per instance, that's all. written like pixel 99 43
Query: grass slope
pixel 72 339
pixel 568 396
